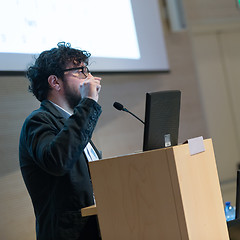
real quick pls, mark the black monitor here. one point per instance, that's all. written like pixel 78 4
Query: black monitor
pixel 161 119
pixel 238 195
pixel 234 229
pixel 234 225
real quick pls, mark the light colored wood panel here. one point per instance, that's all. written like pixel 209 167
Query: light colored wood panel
pixel 17 218
pixel 89 211
pixel 216 103
pixel 136 190
pixel 196 178
pixel 215 27
pixel 208 11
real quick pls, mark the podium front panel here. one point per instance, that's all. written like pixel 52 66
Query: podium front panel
pixel 134 197
pixel 161 194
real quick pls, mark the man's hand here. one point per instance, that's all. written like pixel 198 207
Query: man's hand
pixel 90 87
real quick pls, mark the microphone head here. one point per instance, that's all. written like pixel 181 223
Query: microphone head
pixel 118 106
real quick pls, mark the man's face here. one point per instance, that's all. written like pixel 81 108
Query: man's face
pixel 71 83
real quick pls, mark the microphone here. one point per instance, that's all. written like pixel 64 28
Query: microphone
pixel 120 107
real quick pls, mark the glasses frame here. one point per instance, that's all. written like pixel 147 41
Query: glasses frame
pixel 78 68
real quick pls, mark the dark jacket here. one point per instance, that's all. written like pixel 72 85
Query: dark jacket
pixel 55 169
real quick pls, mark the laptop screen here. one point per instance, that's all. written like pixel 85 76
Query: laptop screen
pixel 161 119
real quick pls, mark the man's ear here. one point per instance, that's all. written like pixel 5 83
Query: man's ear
pixel 54 82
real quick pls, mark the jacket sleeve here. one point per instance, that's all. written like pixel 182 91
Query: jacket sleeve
pixel 57 151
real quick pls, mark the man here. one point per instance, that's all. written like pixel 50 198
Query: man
pixel 55 144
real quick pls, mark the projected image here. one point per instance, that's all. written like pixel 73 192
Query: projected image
pixel 105 28
pixel 121 35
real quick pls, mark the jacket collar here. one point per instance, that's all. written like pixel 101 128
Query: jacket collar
pixel 49 107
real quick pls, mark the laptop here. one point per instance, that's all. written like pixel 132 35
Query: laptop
pixel 162 113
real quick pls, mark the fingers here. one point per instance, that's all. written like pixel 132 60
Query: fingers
pixel 96 81
pixel 91 87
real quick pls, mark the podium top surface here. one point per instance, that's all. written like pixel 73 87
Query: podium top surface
pixel 169 149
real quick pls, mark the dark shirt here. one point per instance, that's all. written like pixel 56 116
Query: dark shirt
pixel 55 169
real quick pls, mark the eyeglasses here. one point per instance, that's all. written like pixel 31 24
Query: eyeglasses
pixel 78 71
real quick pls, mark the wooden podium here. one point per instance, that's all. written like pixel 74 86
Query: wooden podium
pixel 164 194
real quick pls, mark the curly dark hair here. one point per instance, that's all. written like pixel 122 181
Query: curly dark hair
pixel 52 62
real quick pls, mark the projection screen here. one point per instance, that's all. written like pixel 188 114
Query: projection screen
pixel 121 35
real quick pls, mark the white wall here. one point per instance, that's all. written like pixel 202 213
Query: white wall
pixel 215 34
